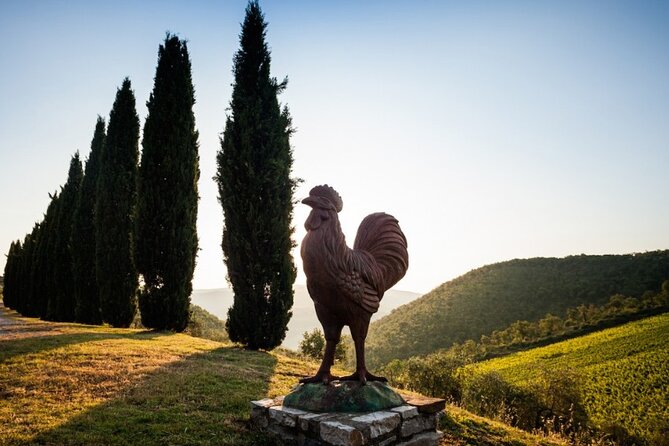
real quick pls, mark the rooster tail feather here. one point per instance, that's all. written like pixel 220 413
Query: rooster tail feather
pixel 380 235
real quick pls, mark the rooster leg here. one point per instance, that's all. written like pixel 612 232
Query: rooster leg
pixel 361 374
pixel 323 375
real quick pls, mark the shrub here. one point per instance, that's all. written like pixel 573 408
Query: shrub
pixel 203 324
pixel 313 346
pixel 558 392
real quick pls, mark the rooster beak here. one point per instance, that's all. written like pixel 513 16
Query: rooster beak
pixel 319 203
pixel 310 201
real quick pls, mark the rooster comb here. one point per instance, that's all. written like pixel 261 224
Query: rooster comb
pixel 329 194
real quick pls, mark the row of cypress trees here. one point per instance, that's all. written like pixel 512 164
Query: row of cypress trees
pixel 118 221
pixel 128 221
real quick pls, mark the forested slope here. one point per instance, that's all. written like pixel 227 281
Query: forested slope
pixel 494 296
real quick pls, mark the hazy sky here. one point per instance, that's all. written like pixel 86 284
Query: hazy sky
pixel 492 130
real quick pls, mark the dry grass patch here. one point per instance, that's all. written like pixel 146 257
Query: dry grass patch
pixel 462 428
pixel 77 384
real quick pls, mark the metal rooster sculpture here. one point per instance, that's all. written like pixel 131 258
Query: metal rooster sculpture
pixel 346 284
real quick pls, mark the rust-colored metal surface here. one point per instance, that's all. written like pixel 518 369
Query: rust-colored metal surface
pixel 346 284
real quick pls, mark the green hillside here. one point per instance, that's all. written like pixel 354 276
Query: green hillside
pixel 622 375
pixel 494 296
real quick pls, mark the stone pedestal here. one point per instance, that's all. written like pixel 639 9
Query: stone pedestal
pixel 411 424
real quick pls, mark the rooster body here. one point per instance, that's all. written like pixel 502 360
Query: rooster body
pixel 346 284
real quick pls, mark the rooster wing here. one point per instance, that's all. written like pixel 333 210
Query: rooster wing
pixel 378 260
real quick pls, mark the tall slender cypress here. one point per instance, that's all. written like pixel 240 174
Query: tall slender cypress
pixel 42 277
pixel 21 284
pixel 115 212
pixel 50 271
pixel 29 246
pixel 32 242
pixel 61 298
pixel 256 193
pixel 10 280
pixel 86 292
pixel 167 201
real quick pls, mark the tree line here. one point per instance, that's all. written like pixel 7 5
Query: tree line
pixel 494 296
pixel 121 234
pixel 121 226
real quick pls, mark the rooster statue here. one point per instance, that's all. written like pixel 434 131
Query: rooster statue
pixel 346 284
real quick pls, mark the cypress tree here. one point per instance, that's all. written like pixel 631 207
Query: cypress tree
pixel 18 286
pixel 16 274
pixel 115 212
pixel 50 271
pixel 8 294
pixel 86 292
pixel 19 280
pixel 167 200
pixel 21 283
pixel 61 298
pixel 256 193
pixel 29 246
pixel 41 268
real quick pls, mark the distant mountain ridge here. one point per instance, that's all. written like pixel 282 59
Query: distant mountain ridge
pixel 494 296
pixel 218 300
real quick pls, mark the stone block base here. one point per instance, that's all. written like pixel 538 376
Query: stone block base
pixel 407 425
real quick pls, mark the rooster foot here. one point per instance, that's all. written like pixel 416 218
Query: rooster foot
pixel 363 376
pixel 320 377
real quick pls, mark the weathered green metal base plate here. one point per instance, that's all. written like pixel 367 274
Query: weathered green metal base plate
pixel 343 396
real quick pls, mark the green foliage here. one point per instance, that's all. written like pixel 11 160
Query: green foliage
pixel 28 305
pixel 167 201
pixel 9 296
pixel 86 291
pixel 256 193
pixel 494 296
pixel 203 324
pixel 487 394
pixel 552 404
pixel 429 375
pixel 42 268
pixel 60 306
pixel 522 335
pixel 313 346
pixel 115 212
pixel 37 285
pixel 22 285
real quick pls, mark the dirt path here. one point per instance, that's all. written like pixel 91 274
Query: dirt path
pixel 5 319
pixel 15 326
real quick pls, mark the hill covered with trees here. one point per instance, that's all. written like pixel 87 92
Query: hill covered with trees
pixel 494 296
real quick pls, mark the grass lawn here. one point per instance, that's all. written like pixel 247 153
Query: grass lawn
pixel 72 384
pixel 77 384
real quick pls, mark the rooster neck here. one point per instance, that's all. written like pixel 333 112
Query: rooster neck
pixel 333 238
pixel 325 243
